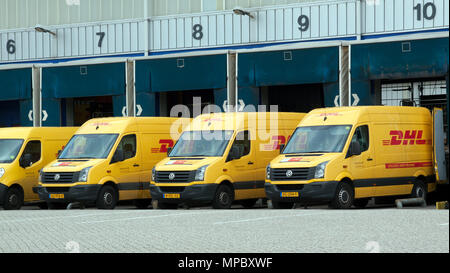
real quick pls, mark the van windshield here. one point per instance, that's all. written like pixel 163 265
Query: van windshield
pixel 318 139
pixel 202 143
pixel 9 149
pixel 93 146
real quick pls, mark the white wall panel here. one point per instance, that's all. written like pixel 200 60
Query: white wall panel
pixel 295 22
pixel 404 15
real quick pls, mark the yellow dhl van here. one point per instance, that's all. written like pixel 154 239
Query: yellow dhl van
pixel 23 153
pixel 221 158
pixel 109 160
pixel 345 156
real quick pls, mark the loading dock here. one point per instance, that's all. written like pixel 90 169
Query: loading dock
pixel 15 97
pixel 71 95
pixel 297 80
pixel 402 72
pixel 163 82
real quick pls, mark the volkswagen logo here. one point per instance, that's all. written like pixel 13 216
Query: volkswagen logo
pixel 289 173
pixel 57 177
pixel 171 176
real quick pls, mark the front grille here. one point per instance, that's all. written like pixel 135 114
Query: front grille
pixel 179 177
pixel 298 174
pixel 63 178
pixel 57 189
pixel 290 187
pixel 172 189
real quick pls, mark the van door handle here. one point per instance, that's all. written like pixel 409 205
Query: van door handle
pixel 250 163
pixel 370 159
pixel 136 165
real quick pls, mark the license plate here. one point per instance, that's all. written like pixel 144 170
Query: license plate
pixel 172 196
pixel 56 196
pixel 289 194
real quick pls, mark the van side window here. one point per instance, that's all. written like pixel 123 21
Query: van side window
pixel 362 137
pixel 242 141
pixel 128 146
pixel 33 150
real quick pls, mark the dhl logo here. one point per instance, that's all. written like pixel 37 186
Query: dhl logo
pixel 330 115
pixel 165 145
pixel 409 137
pixel 277 141
pixel 212 120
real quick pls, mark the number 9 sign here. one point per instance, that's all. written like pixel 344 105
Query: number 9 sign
pixel 303 22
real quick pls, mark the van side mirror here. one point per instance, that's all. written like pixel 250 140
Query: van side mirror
pixel 235 153
pixel 282 146
pixel 118 156
pixel 169 150
pixel 25 161
pixel 354 149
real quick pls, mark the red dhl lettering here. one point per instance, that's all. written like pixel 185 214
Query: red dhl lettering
pixel 330 114
pixel 212 120
pixel 100 124
pixel 277 141
pixel 409 137
pixel 165 145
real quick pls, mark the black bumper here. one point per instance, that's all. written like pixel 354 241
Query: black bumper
pixel 81 193
pixel 309 193
pixel 3 190
pixel 192 194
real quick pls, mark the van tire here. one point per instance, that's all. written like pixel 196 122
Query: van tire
pixel 344 197
pixel 282 205
pixel 248 203
pixel 224 197
pixel 13 199
pixel 107 198
pixel 419 190
pixel 361 203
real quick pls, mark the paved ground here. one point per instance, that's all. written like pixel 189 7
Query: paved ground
pixel 260 230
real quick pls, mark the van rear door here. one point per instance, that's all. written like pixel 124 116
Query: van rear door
pixel 440 164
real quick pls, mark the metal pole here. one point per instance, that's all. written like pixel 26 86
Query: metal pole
pixel 130 88
pixel 231 81
pixel 37 100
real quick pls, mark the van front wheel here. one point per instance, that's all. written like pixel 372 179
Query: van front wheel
pixel 344 197
pixel 419 190
pixel 223 198
pixel 13 199
pixel 107 198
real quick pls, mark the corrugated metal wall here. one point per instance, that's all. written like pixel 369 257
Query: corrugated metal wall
pixel 16 14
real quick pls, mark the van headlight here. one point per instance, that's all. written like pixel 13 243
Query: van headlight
pixel 40 175
pixel 83 177
pixel 153 174
pixel 200 173
pixel 320 170
pixel 2 172
pixel 268 172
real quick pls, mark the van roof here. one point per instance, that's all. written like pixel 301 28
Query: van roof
pixel 238 120
pixel 34 132
pixel 354 114
pixel 373 109
pixel 119 124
